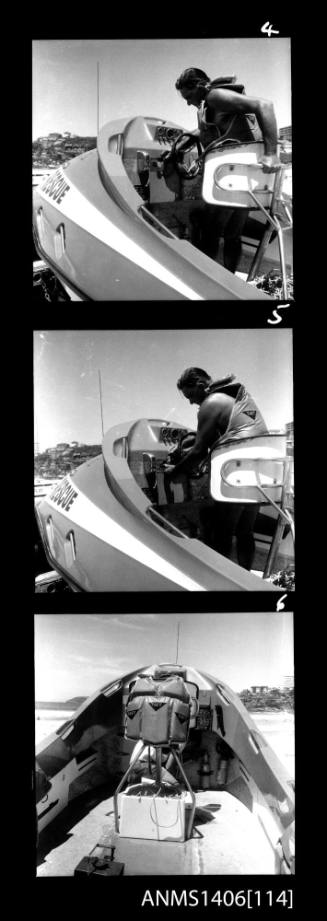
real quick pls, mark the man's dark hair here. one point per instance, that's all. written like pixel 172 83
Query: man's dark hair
pixel 191 77
pixel 193 376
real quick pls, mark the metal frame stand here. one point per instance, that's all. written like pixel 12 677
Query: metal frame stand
pixel 284 515
pixel 273 223
pixel 158 749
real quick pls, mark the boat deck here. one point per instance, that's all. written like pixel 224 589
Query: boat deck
pixel 227 839
pixel 284 557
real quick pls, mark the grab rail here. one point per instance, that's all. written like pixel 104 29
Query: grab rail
pixel 153 513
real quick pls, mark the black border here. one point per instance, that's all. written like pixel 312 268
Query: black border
pixel 221 26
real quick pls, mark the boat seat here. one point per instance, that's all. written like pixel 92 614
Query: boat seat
pixel 239 468
pixel 232 173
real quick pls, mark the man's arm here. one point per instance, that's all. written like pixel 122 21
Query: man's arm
pixel 224 101
pixel 189 142
pixel 211 413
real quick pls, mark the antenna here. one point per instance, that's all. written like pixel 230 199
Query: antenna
pixel 36 439
pixel 177 645
pixel 98 82
pixel 100 391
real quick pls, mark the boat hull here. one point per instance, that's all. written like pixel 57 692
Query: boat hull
pixel 99 542
pixel 90 750
pixel 101 248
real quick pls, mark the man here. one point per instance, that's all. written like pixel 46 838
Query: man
pixel 225 112
pixel 227 414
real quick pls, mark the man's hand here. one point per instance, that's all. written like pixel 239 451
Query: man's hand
pixel 168 469
pixel 172 474
pixel 270 163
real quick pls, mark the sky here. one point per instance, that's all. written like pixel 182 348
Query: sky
pixel 76 654
pixel 139 370
pixel 137 77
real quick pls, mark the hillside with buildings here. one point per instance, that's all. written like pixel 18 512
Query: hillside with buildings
pixel 258 697
pixel 261 697
pixel 63 458
pixel 56 149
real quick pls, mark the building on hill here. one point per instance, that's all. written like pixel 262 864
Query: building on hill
pixel 288 682
pixel 285 134
pixel 290 437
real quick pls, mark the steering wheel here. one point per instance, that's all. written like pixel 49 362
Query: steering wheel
pixel 176 156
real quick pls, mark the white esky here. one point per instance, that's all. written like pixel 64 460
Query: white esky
pixel 139 370
pixel 76 654
pixel 137 77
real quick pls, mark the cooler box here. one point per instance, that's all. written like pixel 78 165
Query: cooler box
pixel 156 817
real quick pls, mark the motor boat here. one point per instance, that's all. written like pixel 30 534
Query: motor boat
pixel 242 795
pixel 114 524
pixel 121 222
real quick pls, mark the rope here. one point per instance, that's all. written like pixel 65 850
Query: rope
pixel 159 824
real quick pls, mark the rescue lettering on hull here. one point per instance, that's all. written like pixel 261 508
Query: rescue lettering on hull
pixel 64 495
pixel 56 186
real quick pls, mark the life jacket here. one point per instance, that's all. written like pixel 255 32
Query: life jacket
pixel 237 127
pixel 158 710
pixel 245 420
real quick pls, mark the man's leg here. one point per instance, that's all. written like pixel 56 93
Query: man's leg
pixel 244 535
pixel 232 239
pixel 208 228
pixel 219 525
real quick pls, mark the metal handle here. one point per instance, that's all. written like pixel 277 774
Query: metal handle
pixel 277 460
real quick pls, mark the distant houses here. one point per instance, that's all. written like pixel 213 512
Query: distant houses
pixel 285 134
pixel 261 697
pixel 63 458
pixel 290 438
pixel 55 148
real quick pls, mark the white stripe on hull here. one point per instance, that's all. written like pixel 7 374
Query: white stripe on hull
pixel 78 209
pixel 90 518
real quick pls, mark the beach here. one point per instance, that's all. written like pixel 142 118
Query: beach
pixel 277 727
